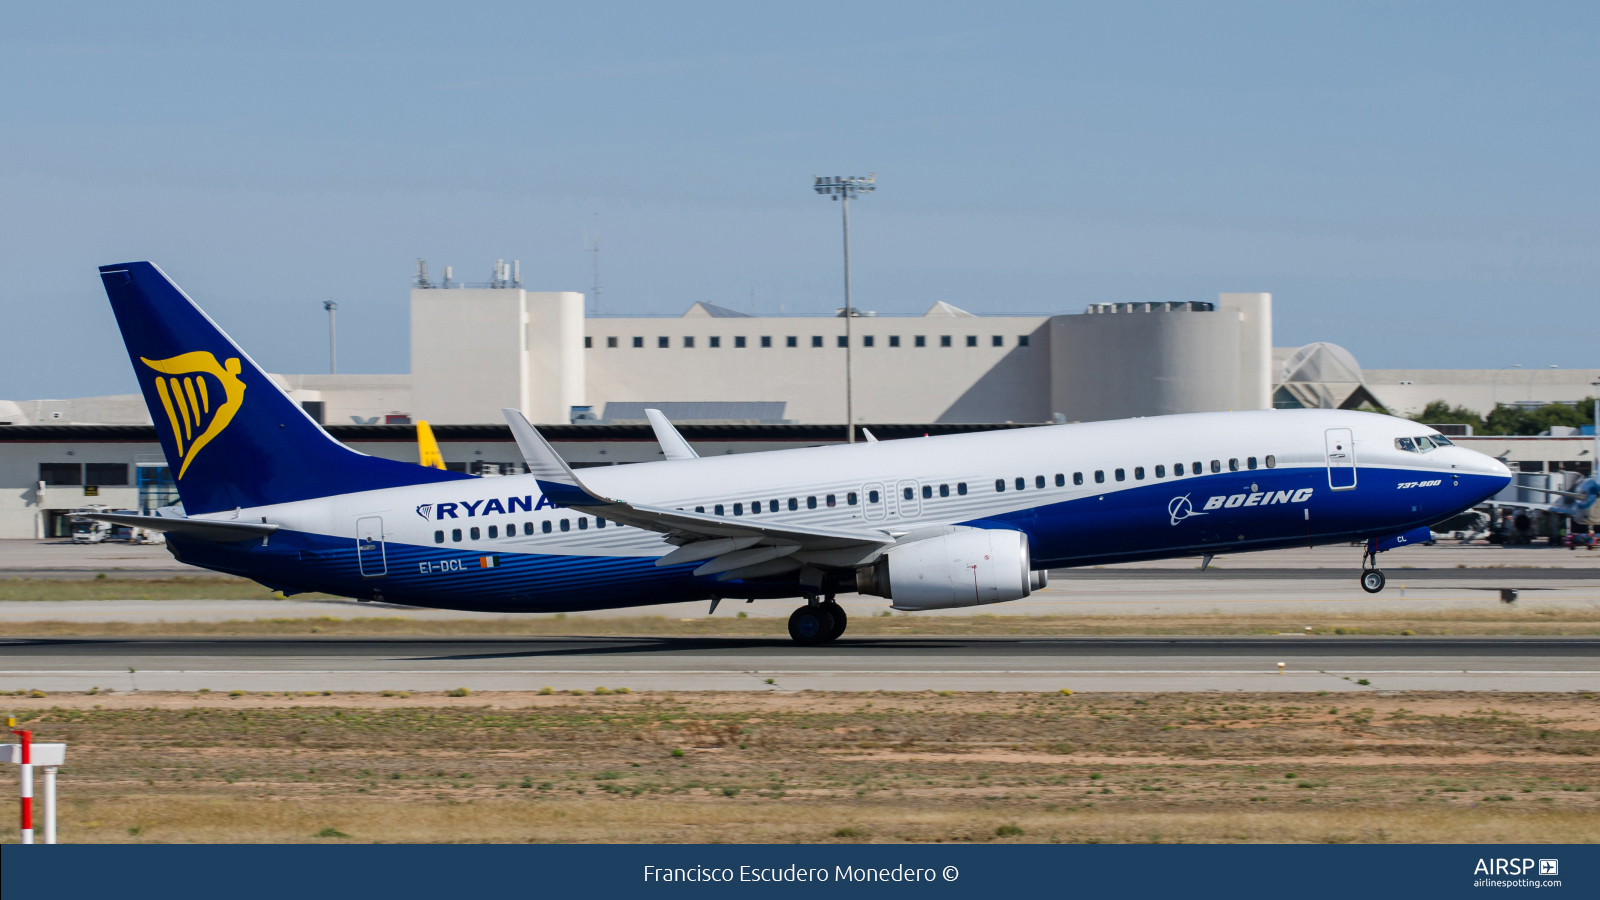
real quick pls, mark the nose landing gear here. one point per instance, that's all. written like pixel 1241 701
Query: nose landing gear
pixel 817 622
pixel 1372 579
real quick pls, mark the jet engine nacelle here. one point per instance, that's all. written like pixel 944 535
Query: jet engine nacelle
pixel 963 568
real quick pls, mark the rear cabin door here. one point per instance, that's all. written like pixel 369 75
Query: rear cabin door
pixel 1341 459
pixel 369 547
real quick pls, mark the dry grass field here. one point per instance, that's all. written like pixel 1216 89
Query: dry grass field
pixel 824 767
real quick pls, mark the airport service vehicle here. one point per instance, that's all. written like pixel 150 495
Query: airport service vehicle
pixel 88 528
pixel 90 531
pixel 929 523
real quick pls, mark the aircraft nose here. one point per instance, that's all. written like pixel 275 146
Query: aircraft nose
pixel 1488 465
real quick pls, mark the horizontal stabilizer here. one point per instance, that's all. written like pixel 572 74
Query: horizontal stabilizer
pixel 204 529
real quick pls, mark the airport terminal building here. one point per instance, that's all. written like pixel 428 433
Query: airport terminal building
pixel 738 382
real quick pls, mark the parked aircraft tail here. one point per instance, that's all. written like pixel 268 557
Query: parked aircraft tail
pixel 232 437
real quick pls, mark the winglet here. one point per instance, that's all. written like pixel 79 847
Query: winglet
pixel 673 446
pixel 556 479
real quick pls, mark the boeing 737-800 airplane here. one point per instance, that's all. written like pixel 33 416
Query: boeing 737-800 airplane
pixel 929 523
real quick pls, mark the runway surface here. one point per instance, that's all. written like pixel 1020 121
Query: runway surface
pixel 852 664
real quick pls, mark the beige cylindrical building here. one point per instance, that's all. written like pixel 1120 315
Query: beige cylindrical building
pixel 1152 359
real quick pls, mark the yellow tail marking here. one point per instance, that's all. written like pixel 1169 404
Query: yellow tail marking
pixel 188 386
pixel 172 415
pixel 202 363
pixel 205 399
pixel 183 408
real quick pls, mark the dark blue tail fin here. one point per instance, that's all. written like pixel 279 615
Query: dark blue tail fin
pixel 232 437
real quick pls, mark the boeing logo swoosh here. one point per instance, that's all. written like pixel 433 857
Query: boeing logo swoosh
pixel 1180 508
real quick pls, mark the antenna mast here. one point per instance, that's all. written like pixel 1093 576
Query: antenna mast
pixel 595 249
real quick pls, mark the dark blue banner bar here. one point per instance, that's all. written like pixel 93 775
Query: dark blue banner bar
pixel 1291 872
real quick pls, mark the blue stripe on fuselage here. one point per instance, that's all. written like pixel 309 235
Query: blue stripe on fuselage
pixel 1152 521
pixel 1121 525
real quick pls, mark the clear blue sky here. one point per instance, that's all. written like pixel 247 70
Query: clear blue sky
pixel 1415 181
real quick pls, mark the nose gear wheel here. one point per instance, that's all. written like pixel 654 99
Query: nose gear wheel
pixel 1372 579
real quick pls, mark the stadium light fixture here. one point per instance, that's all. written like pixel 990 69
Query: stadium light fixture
pixel 846 188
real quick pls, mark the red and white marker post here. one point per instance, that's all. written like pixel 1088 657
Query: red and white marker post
pixel 26 755
pixel 25 784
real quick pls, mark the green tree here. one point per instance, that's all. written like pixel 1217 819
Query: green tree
pixel 1441 413
pixel 1518 421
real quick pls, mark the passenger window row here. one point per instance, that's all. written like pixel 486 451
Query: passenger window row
pixel 1413 445
pixel 829 501
pixel 528 528
pixel 910 493
pixel 1197 468
pixel 771 506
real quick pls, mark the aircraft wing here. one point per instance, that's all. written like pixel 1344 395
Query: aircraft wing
pixel 1568 494
pixel 204 529
pixel 1517 504
pixel 731 546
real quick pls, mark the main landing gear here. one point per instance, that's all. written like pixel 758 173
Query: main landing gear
pixel 817 622
pixel 1372 579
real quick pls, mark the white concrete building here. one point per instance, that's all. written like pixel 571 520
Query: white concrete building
pixel 476 350
pixel 946 366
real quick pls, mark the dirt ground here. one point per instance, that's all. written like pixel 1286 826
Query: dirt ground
pixel 823 767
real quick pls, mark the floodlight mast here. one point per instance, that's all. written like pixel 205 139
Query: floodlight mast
pixel 846 188
pixel 333 343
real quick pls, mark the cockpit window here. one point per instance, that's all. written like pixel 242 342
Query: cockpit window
pixel 1422 443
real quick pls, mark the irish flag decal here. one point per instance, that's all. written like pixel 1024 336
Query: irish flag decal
pixel 488 562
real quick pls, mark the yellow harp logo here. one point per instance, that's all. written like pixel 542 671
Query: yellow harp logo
pixel 197 417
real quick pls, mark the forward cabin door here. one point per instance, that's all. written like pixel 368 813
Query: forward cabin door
pixel 369 547
pixel 1341 459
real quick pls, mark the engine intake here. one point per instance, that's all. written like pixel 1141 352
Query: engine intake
pixel 964 568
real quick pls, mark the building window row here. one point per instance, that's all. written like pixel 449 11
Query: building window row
pixel 740 342
pixel 102 474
